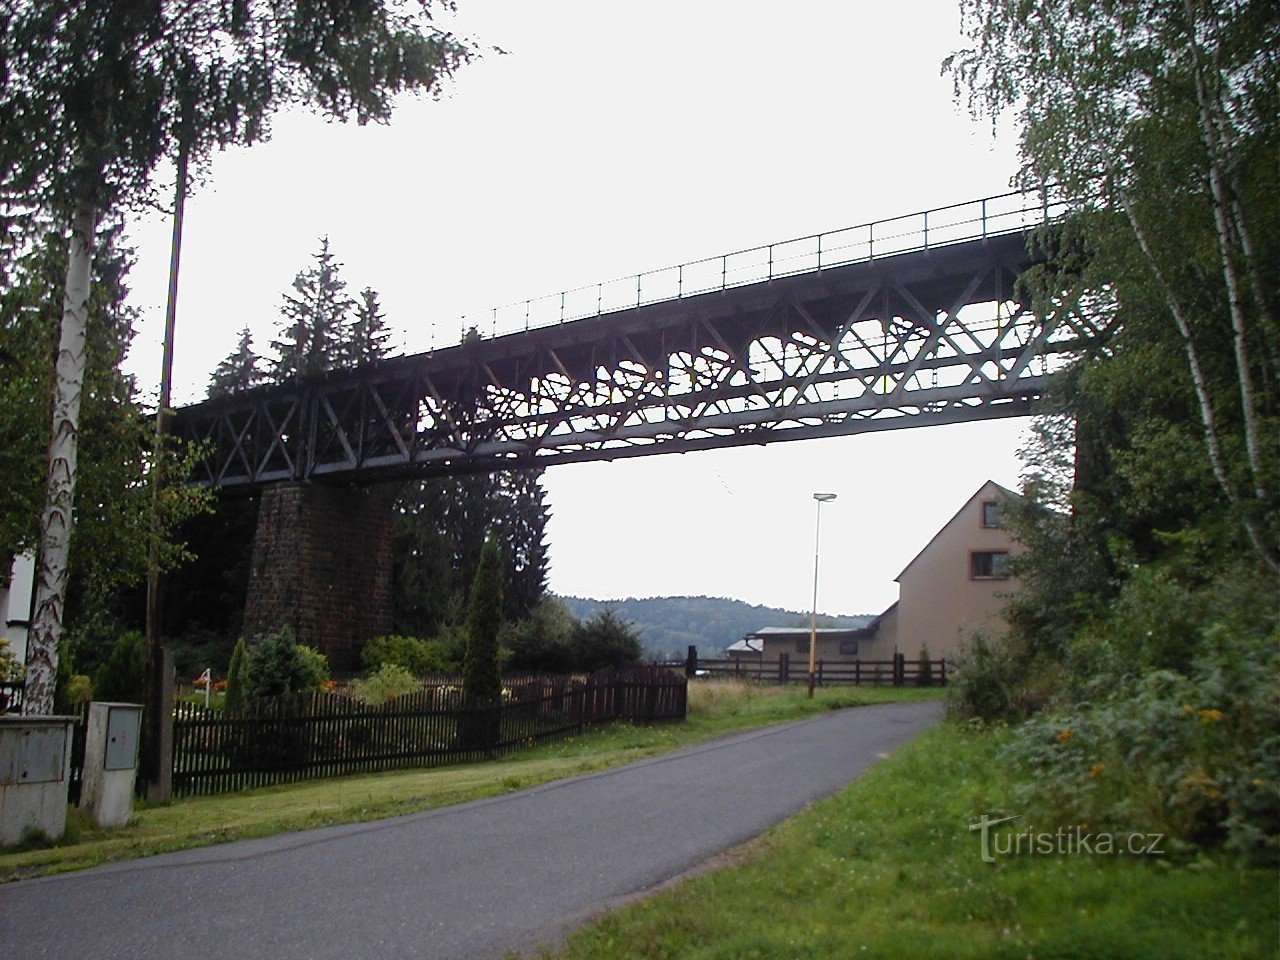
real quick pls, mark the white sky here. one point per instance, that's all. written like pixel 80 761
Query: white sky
pixel 612 139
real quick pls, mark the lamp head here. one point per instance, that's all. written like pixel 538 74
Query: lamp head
pixel 824 497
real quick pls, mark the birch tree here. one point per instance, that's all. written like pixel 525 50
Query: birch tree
pixel 96 94
pixel 1158 122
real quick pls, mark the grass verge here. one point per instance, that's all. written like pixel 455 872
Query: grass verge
pixel 888 869
pixel 715 708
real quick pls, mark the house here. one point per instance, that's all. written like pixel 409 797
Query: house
pixel 16 592
pixel 957 584
pixel 834 643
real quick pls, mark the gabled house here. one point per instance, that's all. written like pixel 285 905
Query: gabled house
pixel 957 584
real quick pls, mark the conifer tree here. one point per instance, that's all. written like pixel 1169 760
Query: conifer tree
pixel 480 677
pixel 314 330
pixel 237 373
pixel 368 338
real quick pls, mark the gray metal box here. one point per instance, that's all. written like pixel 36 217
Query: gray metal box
pixel 123 725
pixel 35 755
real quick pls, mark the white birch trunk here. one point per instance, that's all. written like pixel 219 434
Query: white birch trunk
pixel 57 519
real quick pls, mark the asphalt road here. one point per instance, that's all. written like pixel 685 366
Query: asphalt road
pixel 457 883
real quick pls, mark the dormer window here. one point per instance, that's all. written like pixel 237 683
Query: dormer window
pixel 990 513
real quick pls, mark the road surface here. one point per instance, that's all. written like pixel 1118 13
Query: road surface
pixel 458 883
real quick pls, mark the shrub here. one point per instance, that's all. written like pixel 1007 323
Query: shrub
pixel 606 641
pixel 121 677
pixel 278 664
pixel 480 676
pixel 924 676
pixel 386 683
pixel 10 666
pixel 419 657
pixel 543 641
pixel 1193 755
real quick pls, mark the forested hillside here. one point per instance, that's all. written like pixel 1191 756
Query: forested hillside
pixel 668 625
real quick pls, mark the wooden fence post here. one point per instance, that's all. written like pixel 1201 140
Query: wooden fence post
pixel 899 668
pixel 784 667
pixel 691 662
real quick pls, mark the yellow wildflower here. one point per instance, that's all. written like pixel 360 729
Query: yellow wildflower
pixel 1097 769
pixel 1065 735
pixel 1212 716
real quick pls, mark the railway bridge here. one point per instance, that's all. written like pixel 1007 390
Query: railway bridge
pixel 913 321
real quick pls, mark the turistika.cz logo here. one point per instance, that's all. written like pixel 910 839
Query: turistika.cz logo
pixel 1063 842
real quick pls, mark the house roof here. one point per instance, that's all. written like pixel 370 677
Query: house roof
pixel 745 645
pixel 802 633
pixel 989 487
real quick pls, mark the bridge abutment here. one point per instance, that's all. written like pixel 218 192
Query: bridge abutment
pixel 322 567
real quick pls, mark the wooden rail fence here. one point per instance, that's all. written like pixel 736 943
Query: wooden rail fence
pixel 898 671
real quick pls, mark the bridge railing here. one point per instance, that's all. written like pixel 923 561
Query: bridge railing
pixel 1013 212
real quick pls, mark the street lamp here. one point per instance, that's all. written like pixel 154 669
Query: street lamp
pixel 813 615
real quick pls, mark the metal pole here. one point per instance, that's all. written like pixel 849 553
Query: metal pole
pixel 151 709
pixel 813 612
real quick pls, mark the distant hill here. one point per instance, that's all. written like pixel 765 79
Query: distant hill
pixel 668 625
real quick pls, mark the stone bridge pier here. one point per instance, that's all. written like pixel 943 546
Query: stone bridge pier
pixel 322 567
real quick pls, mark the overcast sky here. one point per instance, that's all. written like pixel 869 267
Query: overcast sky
pixel 611 139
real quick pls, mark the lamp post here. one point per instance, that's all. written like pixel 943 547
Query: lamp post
pixel 813 615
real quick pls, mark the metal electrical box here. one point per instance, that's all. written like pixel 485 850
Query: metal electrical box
pixel 35 755
pixel 123 726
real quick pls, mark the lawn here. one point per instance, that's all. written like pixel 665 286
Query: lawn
pixel 888 869
pixel 715 708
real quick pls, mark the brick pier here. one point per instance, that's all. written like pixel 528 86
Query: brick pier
pixel 322 566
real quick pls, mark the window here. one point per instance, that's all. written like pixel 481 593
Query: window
pixel 988 565
pixel 849 648
pixel 802 646
pixel 990 513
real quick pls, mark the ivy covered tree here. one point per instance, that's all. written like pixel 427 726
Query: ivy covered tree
pixel 96 95
pixel 239 372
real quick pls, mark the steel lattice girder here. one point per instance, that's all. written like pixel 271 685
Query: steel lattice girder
pixel 921 338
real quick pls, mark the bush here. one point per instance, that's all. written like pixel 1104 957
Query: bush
pixel 419 657
pixel 121 678
pixel 10 667
pixel 386 683
pixel 606 641
pixel 924 676
pixel 543 641
pixel 277 664
pixel 1193 755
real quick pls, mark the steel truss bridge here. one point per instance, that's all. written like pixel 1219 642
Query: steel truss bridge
pixel 908 322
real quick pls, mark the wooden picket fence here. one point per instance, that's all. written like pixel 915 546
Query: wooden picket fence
pixel 317 734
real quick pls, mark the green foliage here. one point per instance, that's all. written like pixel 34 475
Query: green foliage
pixel 122 676
pixel 237 373
pixel 277 664
pixel 543 641
pixel 79 690
pixel 419 657
pixel 314 334
pixel 10 665
pixel 924 676
pixel 235 675
pixel 389 681
pixel 440 531
pixel 481 679
pixel 605 641
pixel 1194 754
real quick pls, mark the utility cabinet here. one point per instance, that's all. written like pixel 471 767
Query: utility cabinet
pixel 35 763
pixel 111 762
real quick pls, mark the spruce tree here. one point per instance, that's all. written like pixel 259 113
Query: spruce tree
pixel 237 373
pixel 316 318
pixel 368 337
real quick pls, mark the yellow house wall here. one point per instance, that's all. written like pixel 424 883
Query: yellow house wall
pixel 939 604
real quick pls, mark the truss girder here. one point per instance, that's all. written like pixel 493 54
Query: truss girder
pixel 922 338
